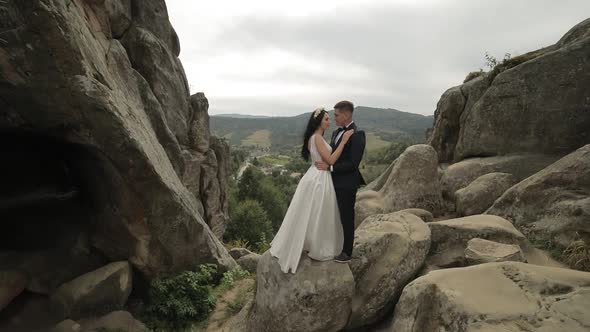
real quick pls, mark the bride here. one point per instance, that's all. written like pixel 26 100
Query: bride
pixel 312 222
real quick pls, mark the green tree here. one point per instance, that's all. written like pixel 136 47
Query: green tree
pixel 249 222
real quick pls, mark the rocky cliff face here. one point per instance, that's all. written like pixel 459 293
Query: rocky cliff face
pixel 99 83
pixel 537 102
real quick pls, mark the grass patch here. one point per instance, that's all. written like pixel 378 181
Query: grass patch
pixel 260 138
pixel 577 255
pixel 374 142
pixel 274 160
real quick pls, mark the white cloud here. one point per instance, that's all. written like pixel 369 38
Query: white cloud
pixel 278 58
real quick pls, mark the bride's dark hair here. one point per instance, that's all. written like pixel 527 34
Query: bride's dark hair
pixel 315 120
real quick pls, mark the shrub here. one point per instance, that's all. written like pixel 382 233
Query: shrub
pixel 231 276
pixel 249 222
pixel 473 75
pixel 176 302
pixel 577 255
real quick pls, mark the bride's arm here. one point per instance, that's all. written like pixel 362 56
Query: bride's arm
pixel 328 158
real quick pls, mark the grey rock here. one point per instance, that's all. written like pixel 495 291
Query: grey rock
pixel 513 109
pixel 316 298
pixel 119 12
pixel 495 297
pixel 126 137
pixel 67 325
pixel 553 205
pixel 165 75
pixel 411 183
pixel 114 321
pixel 199 125
pixel 236 253
pixel 450 238
pixel 95 292
pixel 389 251
pixel 480 194
pixel 461 174
pixel 249 262
pixel 12 283
pixel 480 251
pixel 426 216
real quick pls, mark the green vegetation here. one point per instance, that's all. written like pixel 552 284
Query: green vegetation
pixel 176 302
pixel 249 223
pixel 473 75
pixel 257 205
pixel 184 302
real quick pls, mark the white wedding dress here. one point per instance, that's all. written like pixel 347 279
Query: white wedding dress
pixel 312 222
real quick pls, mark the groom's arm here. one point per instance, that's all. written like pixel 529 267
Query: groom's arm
pixel 357 148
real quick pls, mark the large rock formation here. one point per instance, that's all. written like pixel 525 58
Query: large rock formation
pixel 412 182
pixel 536 102
pixel 101 80
pixel 495 297
pixel 459 175
pixel 389 251
pixel 552 207
pixel 316 298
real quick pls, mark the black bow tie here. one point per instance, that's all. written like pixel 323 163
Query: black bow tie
pixel 341 129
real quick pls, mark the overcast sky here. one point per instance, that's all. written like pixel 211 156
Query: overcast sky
pixel 278 58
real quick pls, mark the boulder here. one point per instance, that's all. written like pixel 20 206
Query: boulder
pixel 67 325
pixel 461 174
pixel 249 262
pixel 236 253
pixel 12 283
pixel 552 207
pixel 507 296
pixel 95 292
pixel 114 321
pixel 426 216
pixel 316 298
pixel 49 269
pixel 412 183
pixel 480 194
pixel 368 203
pixel 450 237
pixel 481 251
pixel 389 250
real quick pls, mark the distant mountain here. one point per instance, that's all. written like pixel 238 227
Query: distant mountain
pixel 242 116
pixel 382 126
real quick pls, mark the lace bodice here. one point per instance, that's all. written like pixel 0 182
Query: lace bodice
pixel 313 151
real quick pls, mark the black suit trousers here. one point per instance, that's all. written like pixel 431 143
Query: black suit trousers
pixel 346 198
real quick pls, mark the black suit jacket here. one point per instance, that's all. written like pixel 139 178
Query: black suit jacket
pixel 346 174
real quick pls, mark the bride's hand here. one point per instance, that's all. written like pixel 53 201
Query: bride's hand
pixel 347 134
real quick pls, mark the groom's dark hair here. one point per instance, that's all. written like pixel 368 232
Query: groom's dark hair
pixel 344 105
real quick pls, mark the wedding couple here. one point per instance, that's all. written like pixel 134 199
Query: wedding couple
pixel 320 218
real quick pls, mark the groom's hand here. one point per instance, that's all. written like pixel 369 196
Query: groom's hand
pixel 322 166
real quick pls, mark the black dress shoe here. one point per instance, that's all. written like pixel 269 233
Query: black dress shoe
pixel 342 258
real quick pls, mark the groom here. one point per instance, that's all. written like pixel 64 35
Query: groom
pixel 345 172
